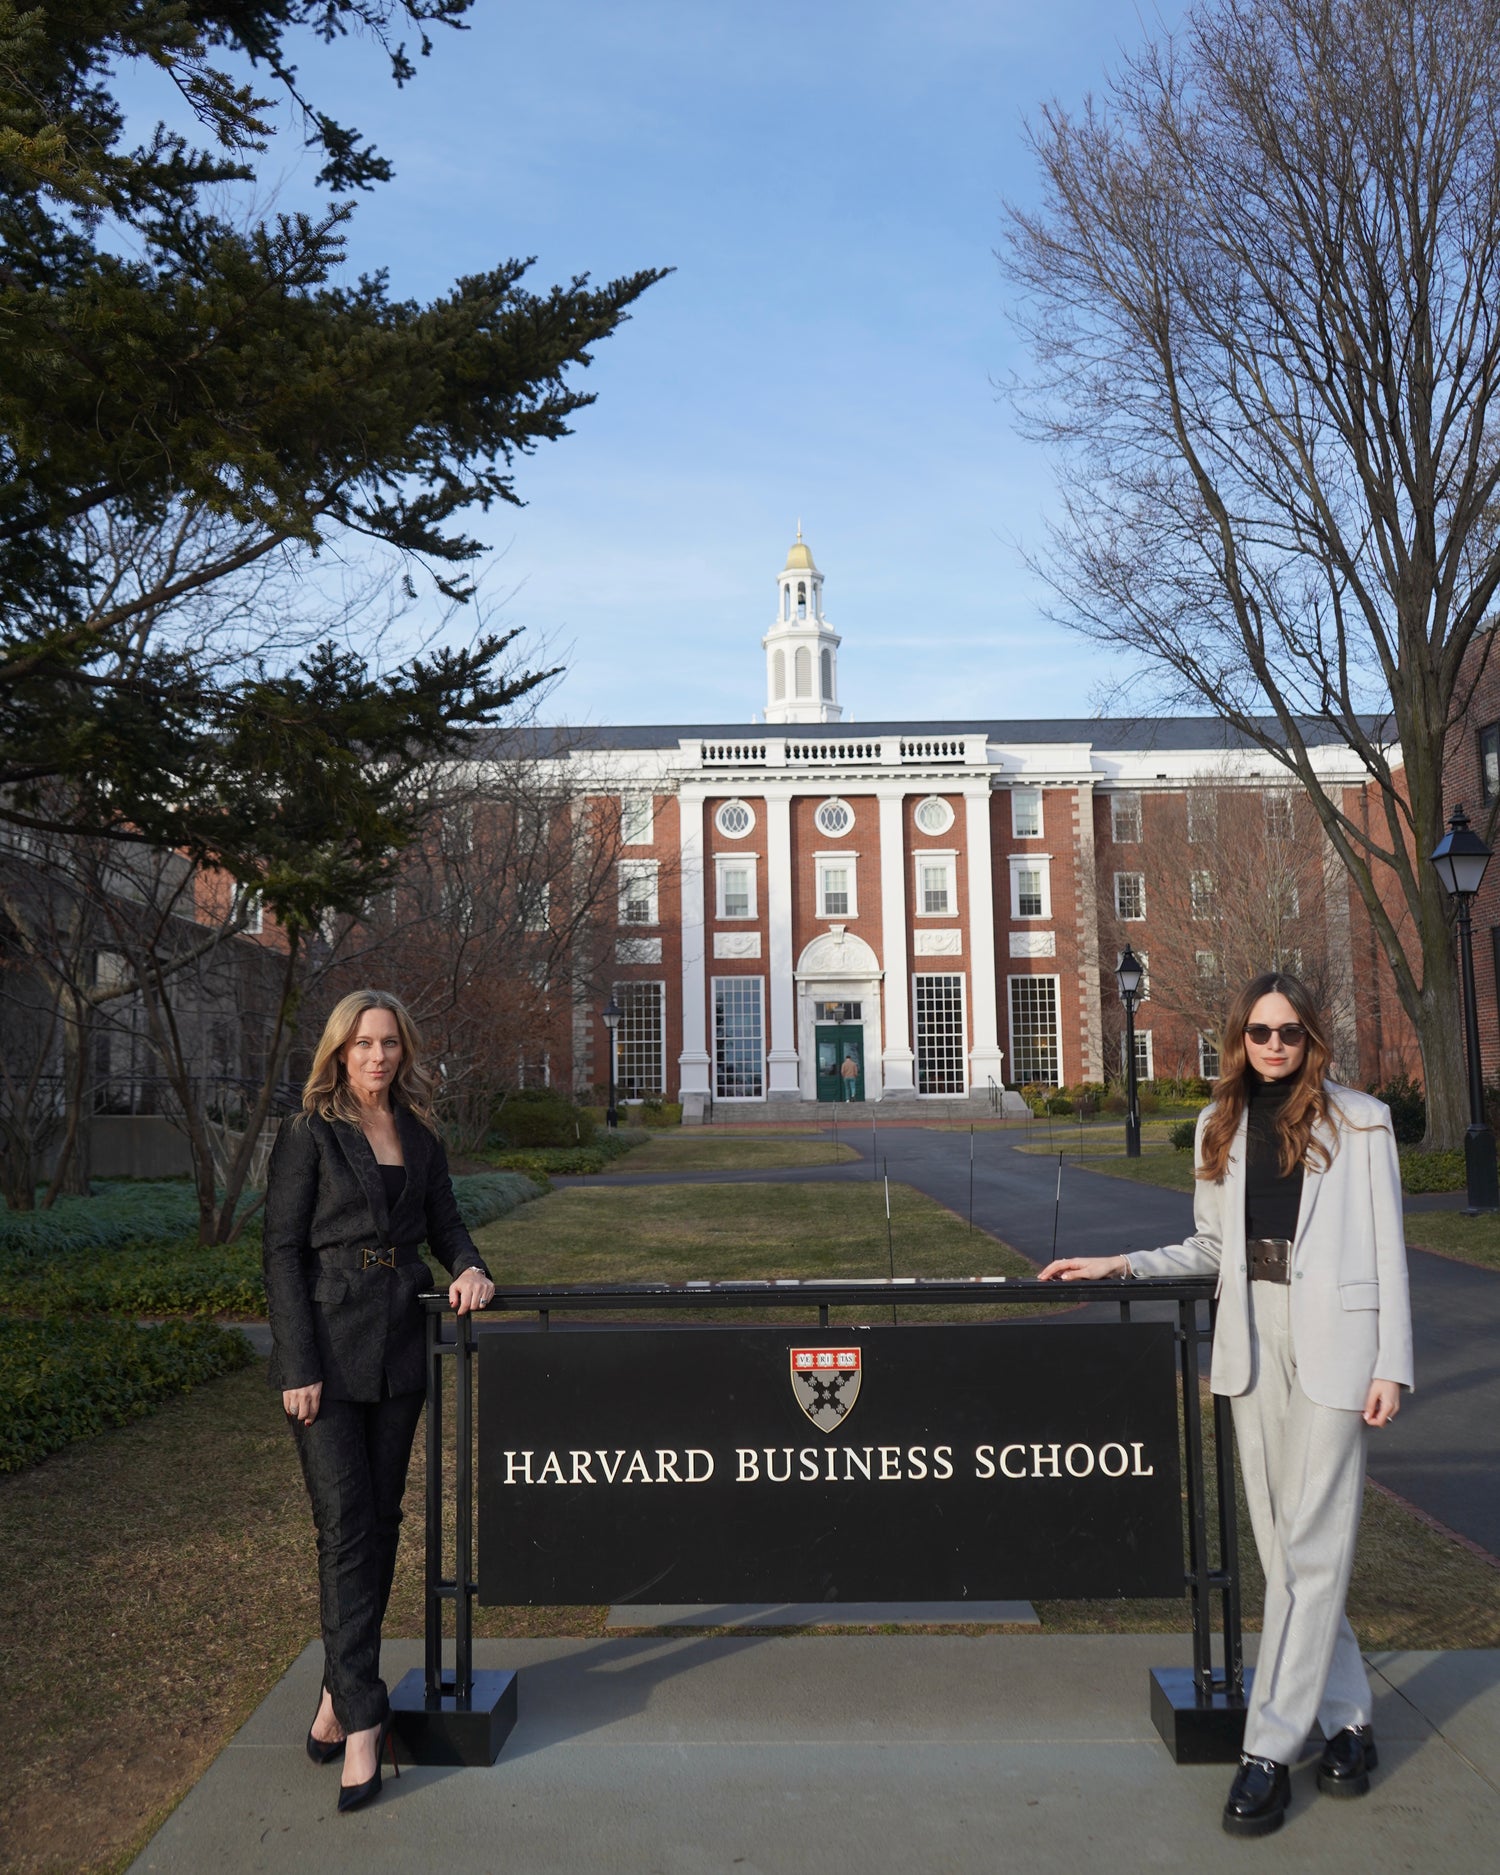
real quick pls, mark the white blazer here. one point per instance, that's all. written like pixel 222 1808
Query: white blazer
pixel 1350 1308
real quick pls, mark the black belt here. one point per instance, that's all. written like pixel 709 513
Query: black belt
pixel 1270 1259
pixel 394 1256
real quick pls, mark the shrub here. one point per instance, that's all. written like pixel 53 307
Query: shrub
pixel 1059 1103
pixel 1180 1090
pixel 543 1116
pixel 1115 1103
pixel 121 1212
pixel 1431 1171
pixel 1408 1105
pixel 64 1379
pixel 1183 1135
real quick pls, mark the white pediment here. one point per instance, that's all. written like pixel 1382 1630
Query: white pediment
pixel 838 953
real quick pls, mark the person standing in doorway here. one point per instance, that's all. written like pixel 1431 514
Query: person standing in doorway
pixel 1297 1206
pixel 849 1070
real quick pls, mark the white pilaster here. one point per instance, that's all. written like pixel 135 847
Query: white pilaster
pixel 897 1061
pixel 694 1061
pixel 781 1057
pixel 986 1062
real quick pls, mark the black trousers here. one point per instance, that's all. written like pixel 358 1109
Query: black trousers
pixel 354 1458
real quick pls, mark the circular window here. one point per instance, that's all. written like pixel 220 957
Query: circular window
pixel 934 815
pixel 834 818
pixel 735 819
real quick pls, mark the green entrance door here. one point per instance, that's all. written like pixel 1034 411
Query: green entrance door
pixel 835 1046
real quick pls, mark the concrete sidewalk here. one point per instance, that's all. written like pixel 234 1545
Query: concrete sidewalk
pixel 777 1755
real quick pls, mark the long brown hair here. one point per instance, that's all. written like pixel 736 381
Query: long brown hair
pixel 1304 1108
pixel 327 1092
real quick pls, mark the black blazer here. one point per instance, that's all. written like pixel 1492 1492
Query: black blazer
pixel 354 1329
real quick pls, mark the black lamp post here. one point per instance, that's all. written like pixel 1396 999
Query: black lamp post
pixel 1129 974
pixel 1461 857
pixel 611 1013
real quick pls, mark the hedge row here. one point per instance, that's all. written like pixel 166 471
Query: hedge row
pixel 1431 1171
pixel 121 1212
pixel 184 1277
pixel 65 1379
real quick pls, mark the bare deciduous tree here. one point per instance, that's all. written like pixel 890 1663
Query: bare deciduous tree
pixel 1263 292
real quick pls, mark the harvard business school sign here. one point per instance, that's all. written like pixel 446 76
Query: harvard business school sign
pixel 762 1464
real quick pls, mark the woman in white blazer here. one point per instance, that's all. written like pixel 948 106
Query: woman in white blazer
pixel 1297 1210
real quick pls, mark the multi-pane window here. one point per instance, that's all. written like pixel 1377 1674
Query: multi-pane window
pixel 1034 1053
pixel 934 887
pixel 1208 966
pixel 1030 887
pixel 1142 1054
pixel 736 883
pixel 1278 806
pixel 536 906
pixel 1201 892
pixel 1202 815
pixel 941 1055
pixel 641 1039
pixel 836 888
pixel 638 891
pixel 834 818
pixel 635 820
pixel 1125 819
pixel 1026 813
pixel 1130 895
pixel 1208 1058
pixel 1489 764
pixel 739 1039
pixel 934 815
pixel 1284 896
pixel 254 914
pixel 735 819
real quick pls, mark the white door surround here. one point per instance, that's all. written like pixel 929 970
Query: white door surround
pixel 838 967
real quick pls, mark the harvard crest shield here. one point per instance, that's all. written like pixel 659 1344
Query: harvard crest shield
pixel 825 1382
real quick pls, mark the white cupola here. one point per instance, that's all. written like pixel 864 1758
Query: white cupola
pixel 802 648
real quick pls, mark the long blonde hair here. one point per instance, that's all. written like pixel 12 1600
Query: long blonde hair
pixel 327 1092
pixel 1306 1105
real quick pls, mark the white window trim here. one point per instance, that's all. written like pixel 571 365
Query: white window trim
pixel 630 870
pixel 1130 917
pixel 947 857
pixel 713 1065
pixel 830 833
pixel 1203 1073
pixel 642 805
pixel 963 1009
pixel 1042 976
pixel 1030 862
pixel 741 862
pixel 932 833
pixel 1126 794
pixel 658 984
pixel 844 859
pixel 735 800
pixel 1041 821
pixel 1148 1073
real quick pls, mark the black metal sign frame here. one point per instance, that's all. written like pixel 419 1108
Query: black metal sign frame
pixel 463 1717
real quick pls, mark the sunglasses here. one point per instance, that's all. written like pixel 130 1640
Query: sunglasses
pixel 1292 1034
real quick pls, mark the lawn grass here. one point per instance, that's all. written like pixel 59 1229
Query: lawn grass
pixel 140 1627
pixel 1451 1234
pixel 700 1152
pixel 685 1233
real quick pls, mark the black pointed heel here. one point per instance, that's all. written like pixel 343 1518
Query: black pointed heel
pixel 319 1752
pixel 353 1796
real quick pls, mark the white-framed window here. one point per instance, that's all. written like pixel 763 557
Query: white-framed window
pixel 1130 896
pixel 934 815
pixel 1278 806
pixel 1208 1058
pixel 942 1054
pixel 1202 895
pixel 1035 1048
pixel 638 892
pixel 735 819
pixel 1202 816
pixel 739 1038
pixel 1125 818
pixel 1142 1055
pixel 1284 896
pixel 254 910
pixel 641 1039
pixel 834 818
pixel 536 906
pixel 1208 966
pixel 734 885
pixel 936 885
pixel 637 813
pixel 838 896
pixel 1026 813
pixel 1030 885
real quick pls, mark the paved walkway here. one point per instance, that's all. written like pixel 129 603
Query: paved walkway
pixel 1442 1454
pixel 784 1755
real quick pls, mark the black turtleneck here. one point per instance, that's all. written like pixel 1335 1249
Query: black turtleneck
pixel 1272 1197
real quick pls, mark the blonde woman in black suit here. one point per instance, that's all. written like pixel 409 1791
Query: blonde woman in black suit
pixel 357 1181
pixel 1297 1207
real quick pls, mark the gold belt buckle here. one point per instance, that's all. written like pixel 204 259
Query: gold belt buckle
pixel 387 1258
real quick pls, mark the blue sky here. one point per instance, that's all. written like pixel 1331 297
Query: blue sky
pixel 827 179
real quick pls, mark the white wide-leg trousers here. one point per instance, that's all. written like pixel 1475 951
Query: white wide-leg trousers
pixel 1304 1472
